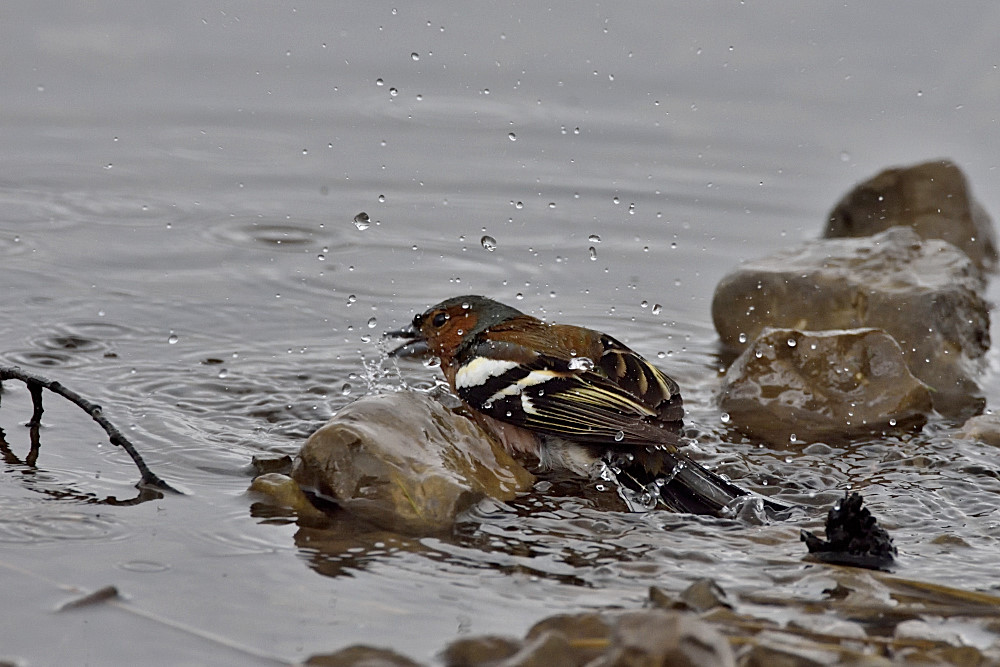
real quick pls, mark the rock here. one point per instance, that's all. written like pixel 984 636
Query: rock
pixel 404 462
pixel 775 649
pixel 361 656
pixel 704 594
pixel 548 649
pixel 263 464
pixel 284 491
pixel 822 386
pixel 927 631
pixel 933 198
pixel 477 651
pixel 925 294
pixel 984 428
pixel 589 633
pixel 701 596
pixel 659 637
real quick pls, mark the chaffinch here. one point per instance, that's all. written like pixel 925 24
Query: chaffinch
pixel 574 398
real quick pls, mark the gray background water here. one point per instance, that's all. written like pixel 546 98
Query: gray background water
pixel 177 189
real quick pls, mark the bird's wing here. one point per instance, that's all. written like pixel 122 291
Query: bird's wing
pixel 616 399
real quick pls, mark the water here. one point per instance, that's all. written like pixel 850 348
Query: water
pixel 178 233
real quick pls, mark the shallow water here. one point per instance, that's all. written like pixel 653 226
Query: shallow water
pixel 177 198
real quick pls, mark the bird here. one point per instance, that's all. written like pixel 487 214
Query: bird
pixel 573 398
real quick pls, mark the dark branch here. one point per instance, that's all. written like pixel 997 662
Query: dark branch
pixel 35 385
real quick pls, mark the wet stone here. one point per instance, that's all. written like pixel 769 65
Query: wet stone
pixel 774 649
pixel 983 428
pixel 932 198
pixel 589 633
pixel 925 294
pixel 283 491
pixel 660 637
pixel 704 594
pixel 405 462
pixel 361 656
pixel 822 386
pixel 549 649
pixel 474 651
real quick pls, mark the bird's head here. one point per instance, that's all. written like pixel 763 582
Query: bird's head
pixel 443 330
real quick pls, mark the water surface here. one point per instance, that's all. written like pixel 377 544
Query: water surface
pixel 177 196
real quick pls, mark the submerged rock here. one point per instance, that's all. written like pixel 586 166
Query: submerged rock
pixel 822 386
pixel 603 639
pixel 983 428
pixel 926 294
pixel 361 656
pixel 933 198
pixel 659 637
pixel 405 462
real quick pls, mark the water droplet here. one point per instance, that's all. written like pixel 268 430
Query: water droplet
pixel 346 388
pixel 379 82
pixel 351 299
pixel 489 242
pixel 172 338
pixel 414 56
pixel 619 436
pixel 594 238
pixel 593 253
pixel 512 136
pixel 792 342
pixel 362 221
pixel 582 364
pixel 724 418
pixel 372 322
pixel 223 373
pixel 892 421
pixel 381 198
pixel 656 309
pixel 393 92
pixel 742 338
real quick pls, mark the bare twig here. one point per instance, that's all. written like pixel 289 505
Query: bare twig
pixel 35 385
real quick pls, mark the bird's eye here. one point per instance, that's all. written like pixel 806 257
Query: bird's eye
pixel 440 319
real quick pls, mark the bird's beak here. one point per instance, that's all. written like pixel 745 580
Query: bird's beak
pixel 416 347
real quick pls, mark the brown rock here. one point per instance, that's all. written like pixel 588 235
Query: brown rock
pixel 548 649
pixel 361 656
pixel 284 491
pixel 925 294
pixel 479 651
pixel 984 428
pixel 589 633
pixel 704 594
pixel 933 198
pixel 655 637
pixel 405 462
pixel 822 386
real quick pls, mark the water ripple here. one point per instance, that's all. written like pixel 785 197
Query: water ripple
pixel 35 525
pixel 262 233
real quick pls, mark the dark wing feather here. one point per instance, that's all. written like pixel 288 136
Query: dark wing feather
pixel 618 399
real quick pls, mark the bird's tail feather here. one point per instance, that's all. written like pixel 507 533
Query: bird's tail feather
pixel 684 485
